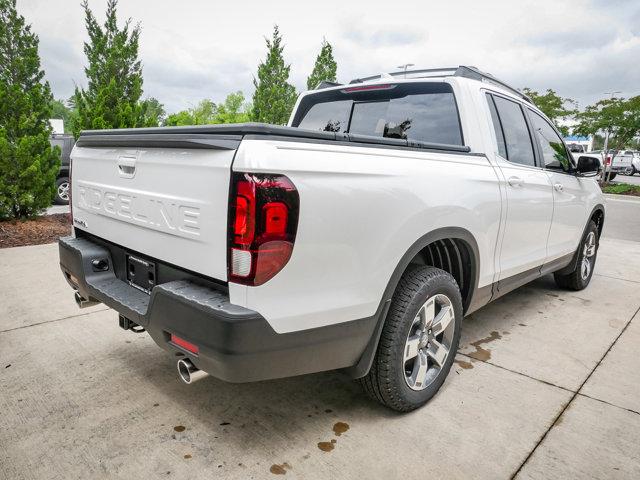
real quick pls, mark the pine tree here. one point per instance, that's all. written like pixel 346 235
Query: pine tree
pixel 274 96
pixel 28 163
pixel 325 67
pixel 114 74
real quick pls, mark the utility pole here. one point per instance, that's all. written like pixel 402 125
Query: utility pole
pixel 404 68
pixel 606 175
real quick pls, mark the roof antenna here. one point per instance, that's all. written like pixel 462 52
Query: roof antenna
pixel 404 68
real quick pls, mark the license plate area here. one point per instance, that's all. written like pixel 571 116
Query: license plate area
pixel 141 273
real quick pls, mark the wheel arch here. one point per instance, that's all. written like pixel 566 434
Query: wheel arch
pixel 597 215
pixel 463 238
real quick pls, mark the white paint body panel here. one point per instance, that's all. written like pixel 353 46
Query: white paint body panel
pixel 570 195
pixel 361 209
pixel 173 208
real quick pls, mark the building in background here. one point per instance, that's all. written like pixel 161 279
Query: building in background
pixel 57 124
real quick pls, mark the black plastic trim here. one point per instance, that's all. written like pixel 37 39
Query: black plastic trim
pixel 574 260
pixel 157 140
pixel 236 344
pixel 364 364
pixel 360 141
pixel 228 137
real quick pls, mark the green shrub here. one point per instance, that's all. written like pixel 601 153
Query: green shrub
pixel 28 163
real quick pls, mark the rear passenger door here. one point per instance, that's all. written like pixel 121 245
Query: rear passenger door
pixel 529 197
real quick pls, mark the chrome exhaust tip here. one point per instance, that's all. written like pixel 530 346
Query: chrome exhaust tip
pixel 188 372
pixel 83 302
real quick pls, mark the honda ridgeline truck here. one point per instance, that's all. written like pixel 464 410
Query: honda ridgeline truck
pixel 355 238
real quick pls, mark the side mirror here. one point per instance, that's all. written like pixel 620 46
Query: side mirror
pixel 587 167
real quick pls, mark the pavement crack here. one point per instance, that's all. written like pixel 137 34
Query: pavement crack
pixel 566 406
pixel 517 372
pixel 55 320
pixel 608 403
pixel 616 278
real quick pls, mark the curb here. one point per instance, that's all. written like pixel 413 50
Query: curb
pixel 622 198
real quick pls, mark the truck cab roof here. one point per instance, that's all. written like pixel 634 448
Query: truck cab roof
pixel 462 71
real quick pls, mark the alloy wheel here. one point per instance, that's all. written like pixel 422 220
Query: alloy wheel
pixel 63 191
pixel 588 252
pixel 429 342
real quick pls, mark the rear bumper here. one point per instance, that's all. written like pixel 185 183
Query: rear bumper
pixel 618 169
pixel 235 344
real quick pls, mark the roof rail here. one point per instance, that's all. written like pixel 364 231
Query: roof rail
pixel 460 71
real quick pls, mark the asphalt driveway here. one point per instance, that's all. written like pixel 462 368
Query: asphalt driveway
pixel 546 385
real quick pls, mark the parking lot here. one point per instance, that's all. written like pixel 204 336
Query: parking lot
pixel 546 385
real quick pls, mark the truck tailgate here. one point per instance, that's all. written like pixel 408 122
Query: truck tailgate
pixel 165 203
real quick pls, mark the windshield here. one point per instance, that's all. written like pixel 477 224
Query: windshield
pixel 424 112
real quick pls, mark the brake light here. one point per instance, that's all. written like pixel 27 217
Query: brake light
pixel 365 88
pixel 263 219
pixel 608 161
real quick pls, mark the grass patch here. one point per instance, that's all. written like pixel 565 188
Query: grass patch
pixel 622 189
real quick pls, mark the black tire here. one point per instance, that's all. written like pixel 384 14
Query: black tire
pixel 386 381
pixel 576 280
pixel 633 171
pixel 611 176
pixel 60 200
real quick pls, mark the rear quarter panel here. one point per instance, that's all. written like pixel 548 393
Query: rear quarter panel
pixel 361 209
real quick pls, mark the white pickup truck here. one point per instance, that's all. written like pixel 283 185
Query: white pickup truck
pixel 355 238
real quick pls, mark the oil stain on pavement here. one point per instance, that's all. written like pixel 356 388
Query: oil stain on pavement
pixel 281 469
pixel 484 354
pixel 338 429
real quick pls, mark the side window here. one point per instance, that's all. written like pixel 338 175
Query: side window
pixel 502 147
pixel 553 150
pixel 516 132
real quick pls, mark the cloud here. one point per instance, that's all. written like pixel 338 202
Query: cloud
pixel 206 49
pixel 572 39
pixel 382 38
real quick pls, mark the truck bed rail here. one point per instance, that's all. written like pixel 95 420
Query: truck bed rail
pixel 228 136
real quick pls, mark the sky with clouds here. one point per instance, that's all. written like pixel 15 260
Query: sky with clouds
pixel 195 49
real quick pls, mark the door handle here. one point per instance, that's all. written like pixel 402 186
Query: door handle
pixel 127 167
pixel 558 186
pixel 515 181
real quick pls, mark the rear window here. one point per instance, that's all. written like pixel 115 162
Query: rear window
pixel 424 112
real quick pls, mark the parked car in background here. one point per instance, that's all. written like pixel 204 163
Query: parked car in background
pixel 635 163
pixel 576 148
pixel 620 161
pixel 624 160
pixel 66 143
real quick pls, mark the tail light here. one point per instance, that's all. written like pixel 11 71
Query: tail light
pixel 263 218
pixel 608 161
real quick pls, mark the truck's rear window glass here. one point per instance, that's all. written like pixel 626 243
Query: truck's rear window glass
pixel 424 112
pixel 328 116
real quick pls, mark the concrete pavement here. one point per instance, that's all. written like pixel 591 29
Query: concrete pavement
pixel 546 385
pixel 53 209
pixel 632 179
